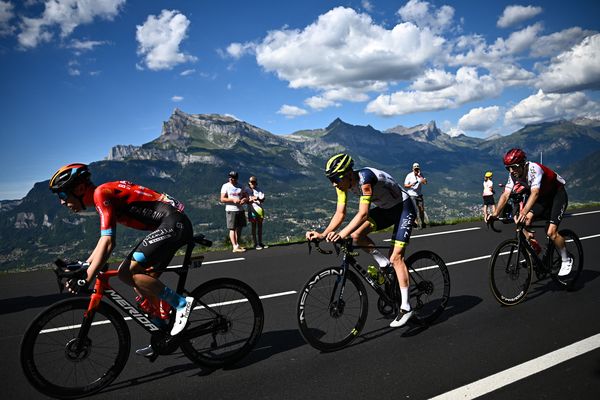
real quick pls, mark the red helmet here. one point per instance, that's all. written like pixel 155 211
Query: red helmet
pixel 514 156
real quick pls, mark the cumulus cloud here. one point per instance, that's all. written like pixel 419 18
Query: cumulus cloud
pixel 238 50
pixel 6 15
pixel 367 5
pixel 291 111
pixel 176 99
pixel 542 107
pixel 558 42
pixel 479 119
pixel 433 79
pixel 85 45
pixel 67 15
pixel 418 12
pixel 346 49
pixel 576 69
pixel 467 86
pixel 159 39
pixel 515 14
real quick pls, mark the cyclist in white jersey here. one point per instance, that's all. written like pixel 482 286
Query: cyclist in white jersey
pixel 392 207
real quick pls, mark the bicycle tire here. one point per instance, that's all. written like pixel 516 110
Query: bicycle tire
pixel 575 250
pixel 429 285
pixel 49 361
pixel 510 275
pixel 242 326
pixel 315 308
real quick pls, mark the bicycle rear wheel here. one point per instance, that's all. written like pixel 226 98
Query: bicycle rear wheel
pixel 429 285
pixel 329 321
pixel 58 364
pixel 574 250
pixel 228 319
pixel 510 273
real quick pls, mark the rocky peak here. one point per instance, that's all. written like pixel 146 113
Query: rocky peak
pixel 422 132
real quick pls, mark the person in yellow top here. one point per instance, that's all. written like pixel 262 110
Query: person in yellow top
pixel 489 205
pixel 393 206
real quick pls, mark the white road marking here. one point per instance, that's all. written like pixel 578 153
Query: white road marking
pixel 439 233
pixel 584 213
pixel 266 296
pixel 521 371
pixel 210 262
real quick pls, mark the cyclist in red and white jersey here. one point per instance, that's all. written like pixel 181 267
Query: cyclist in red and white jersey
pixel 546 196
pixel 137 207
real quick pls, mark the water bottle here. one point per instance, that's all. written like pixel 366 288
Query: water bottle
pixel 375 274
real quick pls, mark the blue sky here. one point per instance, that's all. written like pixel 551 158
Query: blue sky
pixel 78 77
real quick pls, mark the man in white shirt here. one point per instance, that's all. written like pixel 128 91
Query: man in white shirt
pixel 234 198
pixel 412 184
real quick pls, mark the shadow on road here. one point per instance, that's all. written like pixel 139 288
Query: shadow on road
pixel 18 304
pixel 270 344
pixel 545 285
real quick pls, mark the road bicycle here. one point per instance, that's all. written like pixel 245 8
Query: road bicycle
pixel 514 261
pixel 78 346
pixel 333 305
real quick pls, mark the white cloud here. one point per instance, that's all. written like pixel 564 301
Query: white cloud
pixel 238 50
pixel 558 42
pixel 542 107
pixel 6 15
pixel 433 79
pixel 513 15
pixel 467 86
pixel 187 72
pixel 367 5
pixel 576 69
pixel 454 132
pixel 291 111
pixel 159 39
pixel 84 45
pixel 176 99
pixel 320 102
pixel 418 12
pixel 479 119
pixel 67 15
pixel 346 49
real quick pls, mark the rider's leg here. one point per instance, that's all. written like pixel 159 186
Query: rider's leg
pixel 360 238
pixel 405 312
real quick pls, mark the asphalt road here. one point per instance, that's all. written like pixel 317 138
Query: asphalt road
pixel 473 340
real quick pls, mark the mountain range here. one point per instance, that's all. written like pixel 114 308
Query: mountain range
pixel 194 152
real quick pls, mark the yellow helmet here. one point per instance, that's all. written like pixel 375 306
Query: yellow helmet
pixel 488 174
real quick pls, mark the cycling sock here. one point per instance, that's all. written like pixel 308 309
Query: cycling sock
pixel 563 254
pixel 172 298
pixel 380 258
pixel 405 304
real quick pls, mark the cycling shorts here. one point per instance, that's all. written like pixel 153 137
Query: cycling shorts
pixel 488 200
pixel 552 208
pixel 402 216
pixel 158 248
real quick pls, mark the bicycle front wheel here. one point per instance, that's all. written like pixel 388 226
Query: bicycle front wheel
pixel 332 310
pixel 575 251
pixel 510 273
pixel 429 285
pixel 58 363
pixel 225 324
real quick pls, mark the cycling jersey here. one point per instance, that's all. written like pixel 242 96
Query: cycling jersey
pixel 538 176
pixel 393 204
pixel 132 205
pixel 386 191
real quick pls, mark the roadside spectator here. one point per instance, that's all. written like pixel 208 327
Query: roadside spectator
pixel 413 183
pixel 256 214
pixel 234 198
pixel 488 195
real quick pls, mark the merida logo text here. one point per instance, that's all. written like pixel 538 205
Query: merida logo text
pixel 131 310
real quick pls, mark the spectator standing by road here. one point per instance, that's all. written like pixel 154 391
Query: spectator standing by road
pixel 256 214
pixel 488 195
pixel 234 198
pixel 413 183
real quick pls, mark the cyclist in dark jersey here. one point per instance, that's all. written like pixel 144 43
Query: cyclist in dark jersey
pixel 137 207
pixel 393 207
pixel 546 196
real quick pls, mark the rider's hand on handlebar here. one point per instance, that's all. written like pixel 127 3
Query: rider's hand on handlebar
pixel 333 237
pixel 312 235
pixel 76 285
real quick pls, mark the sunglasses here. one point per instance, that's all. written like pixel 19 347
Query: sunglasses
pixel 252 182
pixel 63 195
pixel 336 179
pixel 512 166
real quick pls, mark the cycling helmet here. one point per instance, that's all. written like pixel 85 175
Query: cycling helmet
pixel 488 174
pixel 68 176
pixel 338 164
pixel 515 156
